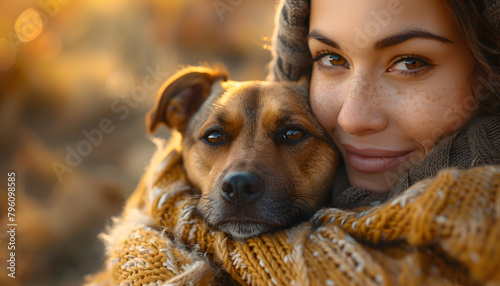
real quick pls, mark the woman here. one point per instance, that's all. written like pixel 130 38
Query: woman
pixel 408 72
pixel 398 85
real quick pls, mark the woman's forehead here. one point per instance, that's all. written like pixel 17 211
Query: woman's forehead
pixel 365 22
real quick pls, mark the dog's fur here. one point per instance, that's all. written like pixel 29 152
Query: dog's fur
pixel 261 137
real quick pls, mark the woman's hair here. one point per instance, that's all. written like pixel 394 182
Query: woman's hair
pixel 483 39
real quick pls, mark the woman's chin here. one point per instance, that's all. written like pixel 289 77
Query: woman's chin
pixel 381 181
pixel 377 182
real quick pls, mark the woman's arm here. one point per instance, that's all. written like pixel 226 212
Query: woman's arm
pixel 441 229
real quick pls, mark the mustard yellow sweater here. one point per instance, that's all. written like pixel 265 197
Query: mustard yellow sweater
pixel 441 231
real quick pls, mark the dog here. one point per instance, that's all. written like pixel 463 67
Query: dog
pixel 254 150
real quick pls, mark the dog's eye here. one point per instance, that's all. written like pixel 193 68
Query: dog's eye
pixel 293 134
pixel 213 137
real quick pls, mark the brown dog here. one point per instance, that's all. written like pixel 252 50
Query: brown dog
pixel 255 151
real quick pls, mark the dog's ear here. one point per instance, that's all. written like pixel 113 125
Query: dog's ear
pixel 181 96
pixel 304 81
pixel 302 86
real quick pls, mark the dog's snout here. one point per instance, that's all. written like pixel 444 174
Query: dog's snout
pixel 241 187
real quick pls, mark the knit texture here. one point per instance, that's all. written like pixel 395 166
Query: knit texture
pixel 492 13
pixel 441 231
pixel 291 57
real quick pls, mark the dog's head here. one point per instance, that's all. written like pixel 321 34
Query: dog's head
pixel 254 149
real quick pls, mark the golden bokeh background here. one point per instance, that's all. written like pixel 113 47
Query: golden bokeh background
pixel 76 79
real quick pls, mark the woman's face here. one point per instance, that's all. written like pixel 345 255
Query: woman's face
pixel 390 78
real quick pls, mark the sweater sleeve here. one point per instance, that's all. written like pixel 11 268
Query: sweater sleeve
pixel 442 230
pixel 139 251
pixel 453 215
pixel 145 257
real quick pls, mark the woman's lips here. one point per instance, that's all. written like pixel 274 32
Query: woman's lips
pixel 371 160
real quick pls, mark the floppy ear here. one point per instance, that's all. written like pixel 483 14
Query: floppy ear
pixel 302 86
pixel 304 81
pixel 181 96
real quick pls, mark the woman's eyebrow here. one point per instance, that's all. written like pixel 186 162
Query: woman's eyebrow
pixel 386 42
pixel 322 38
pixel 406 35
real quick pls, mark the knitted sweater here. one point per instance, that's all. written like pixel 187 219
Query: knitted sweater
pixel 441 231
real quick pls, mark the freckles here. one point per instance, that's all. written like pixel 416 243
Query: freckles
pixel 323 100
pixel 438 112
pixel 414 111
pixel 384 97
pixel 434 96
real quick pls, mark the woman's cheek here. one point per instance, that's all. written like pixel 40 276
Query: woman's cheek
pixel 325 102
pixel 433 114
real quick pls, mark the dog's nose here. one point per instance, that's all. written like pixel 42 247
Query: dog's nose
pixel 241 187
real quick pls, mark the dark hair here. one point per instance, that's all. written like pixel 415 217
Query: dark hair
pixel 483 39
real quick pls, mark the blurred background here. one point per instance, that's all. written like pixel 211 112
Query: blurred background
pixel 76 79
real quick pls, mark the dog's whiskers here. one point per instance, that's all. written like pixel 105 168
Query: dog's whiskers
pixel 303 202
pixel 193 201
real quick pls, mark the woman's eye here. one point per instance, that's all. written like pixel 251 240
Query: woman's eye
pixel 213 137
pixel 409 65
pixel 293 134
pixel 334 60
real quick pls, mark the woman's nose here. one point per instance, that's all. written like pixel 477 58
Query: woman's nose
pixel 362 110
